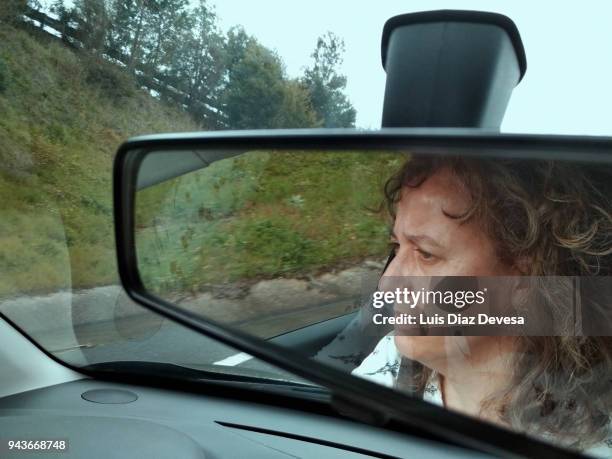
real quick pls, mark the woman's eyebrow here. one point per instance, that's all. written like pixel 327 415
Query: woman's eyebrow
pixel 422 238
pixel 419 239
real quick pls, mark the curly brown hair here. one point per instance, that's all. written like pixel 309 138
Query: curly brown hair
pixel 556 216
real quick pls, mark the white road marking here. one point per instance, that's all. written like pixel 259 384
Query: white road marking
pixel 234 360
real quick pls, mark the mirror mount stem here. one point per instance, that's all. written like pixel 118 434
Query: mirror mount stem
pixel 450 68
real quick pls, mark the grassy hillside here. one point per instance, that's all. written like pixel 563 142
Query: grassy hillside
pixel 262 215
pixel 63 116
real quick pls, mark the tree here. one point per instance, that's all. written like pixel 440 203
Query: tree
pixel 296 110
pixel 254 91
pixel 175 48
pixel 131 20
pixel 326 85
pixel 92 24
pixel 257 94
pixel 196 62
pixel 136 12
pixel 168 22
pixel 64 15
pixel 235 48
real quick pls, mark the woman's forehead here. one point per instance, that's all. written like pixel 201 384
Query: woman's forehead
pixel 442 192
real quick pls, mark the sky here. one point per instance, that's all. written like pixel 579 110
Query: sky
pixel 566 90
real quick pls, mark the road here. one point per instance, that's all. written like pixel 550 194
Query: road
pixel 102 324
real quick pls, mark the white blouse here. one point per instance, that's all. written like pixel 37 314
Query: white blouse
pixel 382 367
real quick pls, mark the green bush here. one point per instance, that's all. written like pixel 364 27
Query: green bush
pixel 3 76
pixel 111 80
pixel 11 10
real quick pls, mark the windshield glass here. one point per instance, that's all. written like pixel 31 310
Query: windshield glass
pixel 295 244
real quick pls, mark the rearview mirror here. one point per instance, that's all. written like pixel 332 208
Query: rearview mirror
pixel 276 243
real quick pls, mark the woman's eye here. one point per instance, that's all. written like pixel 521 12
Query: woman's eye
pixel 425 255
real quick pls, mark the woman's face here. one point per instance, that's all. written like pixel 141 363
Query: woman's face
pixel 430 243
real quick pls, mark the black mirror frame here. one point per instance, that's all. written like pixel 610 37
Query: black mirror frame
pixel 354 397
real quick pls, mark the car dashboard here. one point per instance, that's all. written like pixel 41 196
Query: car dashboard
pixel 111 420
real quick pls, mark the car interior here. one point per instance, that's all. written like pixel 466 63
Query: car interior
pixel 154 376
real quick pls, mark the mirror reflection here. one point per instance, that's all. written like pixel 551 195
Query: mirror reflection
pixel 300 247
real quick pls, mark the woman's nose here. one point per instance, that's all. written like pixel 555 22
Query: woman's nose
pixel 400 266
pixel 398 275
